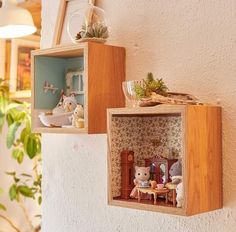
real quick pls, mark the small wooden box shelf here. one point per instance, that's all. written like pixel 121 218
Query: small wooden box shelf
pixel 104 71
pixel 194 131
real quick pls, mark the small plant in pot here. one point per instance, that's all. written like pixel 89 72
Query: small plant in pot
pixel 93 27
pixel 149 86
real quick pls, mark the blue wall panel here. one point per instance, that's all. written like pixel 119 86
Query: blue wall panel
pixel 52 70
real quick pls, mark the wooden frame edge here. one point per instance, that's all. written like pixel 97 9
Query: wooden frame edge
pixel 59 22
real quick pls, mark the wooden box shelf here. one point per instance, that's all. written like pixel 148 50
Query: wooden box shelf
pixel 193 131
pixel 104 70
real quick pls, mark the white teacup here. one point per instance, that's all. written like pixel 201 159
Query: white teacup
pixel 144 184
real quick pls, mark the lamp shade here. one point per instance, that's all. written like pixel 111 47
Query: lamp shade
pixel 15 21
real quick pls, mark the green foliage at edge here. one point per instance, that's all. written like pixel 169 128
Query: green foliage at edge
pixel 22 142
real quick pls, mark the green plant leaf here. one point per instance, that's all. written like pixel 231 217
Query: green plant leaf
pixel 39 200
pixel 38 145
pixel 20 157
pixel 15 153
pixel 2 120
pixel 16 180
pixel 23 133
pixel 18 154
pixel 20 116
pixel 28 123
pixel 1 191
pixel 12 114
pixel 2 207
pixel 12 133
pixel 26 175
pixel 25 191
pixel 3 103
pixel 30 146
pixel 9 119
pixel 1 114
pixel 11 173
pixel 13 192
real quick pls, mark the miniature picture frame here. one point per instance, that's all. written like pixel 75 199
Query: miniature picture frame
pixel 66 9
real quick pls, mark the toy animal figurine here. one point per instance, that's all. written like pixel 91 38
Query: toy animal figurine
pixel 142 175
pixel 78 117
pixel 175 170
pixel 179 195
pixel 69 103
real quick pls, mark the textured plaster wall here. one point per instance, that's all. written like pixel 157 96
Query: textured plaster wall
pixel 192 45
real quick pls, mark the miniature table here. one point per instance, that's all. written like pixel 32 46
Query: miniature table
pixel 154 192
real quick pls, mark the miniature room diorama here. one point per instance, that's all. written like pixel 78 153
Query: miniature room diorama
pixel 146 159
pixel 61 91
pixel 74 85
pixel 165 158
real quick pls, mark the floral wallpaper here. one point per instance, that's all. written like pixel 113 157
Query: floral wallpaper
pixel 137 133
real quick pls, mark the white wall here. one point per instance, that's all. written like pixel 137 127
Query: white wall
pixel 192 45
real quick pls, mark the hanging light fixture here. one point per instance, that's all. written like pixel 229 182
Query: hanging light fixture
pixel 15 21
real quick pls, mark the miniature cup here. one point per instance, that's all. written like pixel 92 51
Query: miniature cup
pixel 160 186
pixel 153 184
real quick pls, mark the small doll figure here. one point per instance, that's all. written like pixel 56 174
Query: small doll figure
pixel 142 175
pixel 69 103
pixel 78 117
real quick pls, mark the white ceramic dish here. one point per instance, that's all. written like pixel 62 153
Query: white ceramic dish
pixel 57 120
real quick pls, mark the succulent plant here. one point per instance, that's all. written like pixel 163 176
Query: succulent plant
pixel 96 30
pixel 150 85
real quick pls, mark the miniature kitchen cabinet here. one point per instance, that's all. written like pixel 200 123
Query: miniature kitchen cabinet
pixel 193 132
pixel 103 68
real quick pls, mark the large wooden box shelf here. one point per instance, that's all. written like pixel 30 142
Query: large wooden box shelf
pixel 193 131
pixel 104 71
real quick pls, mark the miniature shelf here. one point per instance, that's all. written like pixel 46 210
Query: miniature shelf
pixel 194 132
pixel 103 72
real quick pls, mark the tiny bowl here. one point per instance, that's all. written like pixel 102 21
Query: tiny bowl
pixel 160 186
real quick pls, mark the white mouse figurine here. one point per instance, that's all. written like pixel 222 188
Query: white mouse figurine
pixel 179 195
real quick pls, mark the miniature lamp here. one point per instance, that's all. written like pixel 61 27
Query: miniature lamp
pixel 15 21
